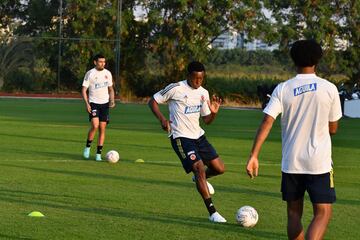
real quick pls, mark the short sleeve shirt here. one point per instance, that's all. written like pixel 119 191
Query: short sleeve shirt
pixel 307 104
pixel 186 106
pixel 98 82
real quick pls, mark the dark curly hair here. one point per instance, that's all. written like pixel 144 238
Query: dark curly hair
pixel 195 67
pixel 306 53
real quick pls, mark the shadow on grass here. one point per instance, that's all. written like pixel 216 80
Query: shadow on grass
pixel 143 180
pixel 3 236
pixel 151 217
pixel 32 137
pixel 49 154
pixel 347 201
pixel 189 185
pixel 145 147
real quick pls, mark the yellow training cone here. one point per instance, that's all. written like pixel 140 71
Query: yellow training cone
pixel 139 160
pixel 36 214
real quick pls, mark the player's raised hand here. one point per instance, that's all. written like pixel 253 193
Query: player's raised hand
pixel 214 105
pixel 252 167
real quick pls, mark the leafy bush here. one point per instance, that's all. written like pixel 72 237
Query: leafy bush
pixel 242 57
pixel 241 90
pixel 20 80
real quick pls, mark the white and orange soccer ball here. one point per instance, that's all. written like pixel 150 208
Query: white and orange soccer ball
pixel 247 216
pixel 112 156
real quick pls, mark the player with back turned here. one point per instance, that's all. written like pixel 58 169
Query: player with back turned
pixel 310 109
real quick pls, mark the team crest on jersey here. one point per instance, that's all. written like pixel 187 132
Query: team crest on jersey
pixel 305 88
pixel 202 98
pixel 192 109
pixel 106 77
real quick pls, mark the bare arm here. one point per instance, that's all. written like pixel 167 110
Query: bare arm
pixel 112 97
pixel 154 106
pixel 214 106
pixel 262 133
pixel 333 127
pixel 209 118
pixel 86 99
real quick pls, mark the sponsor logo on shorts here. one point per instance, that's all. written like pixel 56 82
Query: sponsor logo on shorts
pixel 191 152
pixel 93 112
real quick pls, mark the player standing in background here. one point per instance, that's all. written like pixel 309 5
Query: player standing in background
pixel 310 109
pixel 101 96
pixel 188 101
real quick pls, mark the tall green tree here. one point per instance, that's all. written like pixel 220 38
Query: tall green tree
pixel 179 31
pixel 350 32
pixel 333 23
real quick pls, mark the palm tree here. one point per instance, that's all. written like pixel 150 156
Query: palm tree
pixel 13 55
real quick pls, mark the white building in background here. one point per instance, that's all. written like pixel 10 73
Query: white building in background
pixel 259 45
pixel 233 39
pixel 227 40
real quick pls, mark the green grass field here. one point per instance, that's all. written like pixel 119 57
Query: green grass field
pixel 41 143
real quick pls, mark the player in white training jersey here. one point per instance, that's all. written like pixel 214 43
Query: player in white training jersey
pixel 98 82
pixel 188 101
pixel 310 109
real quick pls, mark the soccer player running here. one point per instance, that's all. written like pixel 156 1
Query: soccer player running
pixel 188 101
pixel 309 108
pixel 101 96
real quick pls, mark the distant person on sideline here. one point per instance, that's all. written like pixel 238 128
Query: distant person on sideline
pixel 98 82
pixel 310 109
pixel 188 101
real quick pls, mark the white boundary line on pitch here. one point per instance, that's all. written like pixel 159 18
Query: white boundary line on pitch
pixel 127 161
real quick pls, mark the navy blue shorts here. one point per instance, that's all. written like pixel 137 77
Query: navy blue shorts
pixel 319 187
pixel 190 151
pixel 100 111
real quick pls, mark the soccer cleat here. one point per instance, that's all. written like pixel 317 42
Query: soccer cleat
pixel 210 187
pixel 86 152
pixel 216 217
pixel 98 157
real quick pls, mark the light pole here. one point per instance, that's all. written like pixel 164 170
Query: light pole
pixel 118 41
pixel 59 50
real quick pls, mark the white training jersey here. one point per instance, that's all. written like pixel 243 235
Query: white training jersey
pixel 186 105
pixel 307 104
pixel 98 82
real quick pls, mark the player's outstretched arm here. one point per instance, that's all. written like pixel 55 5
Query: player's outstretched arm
pixel 214 107
pixel 154 106
pixel 86 99
pixel 252 166
pixel 112 97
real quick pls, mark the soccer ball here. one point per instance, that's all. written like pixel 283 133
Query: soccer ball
pixel 247 216
pixel 112 156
